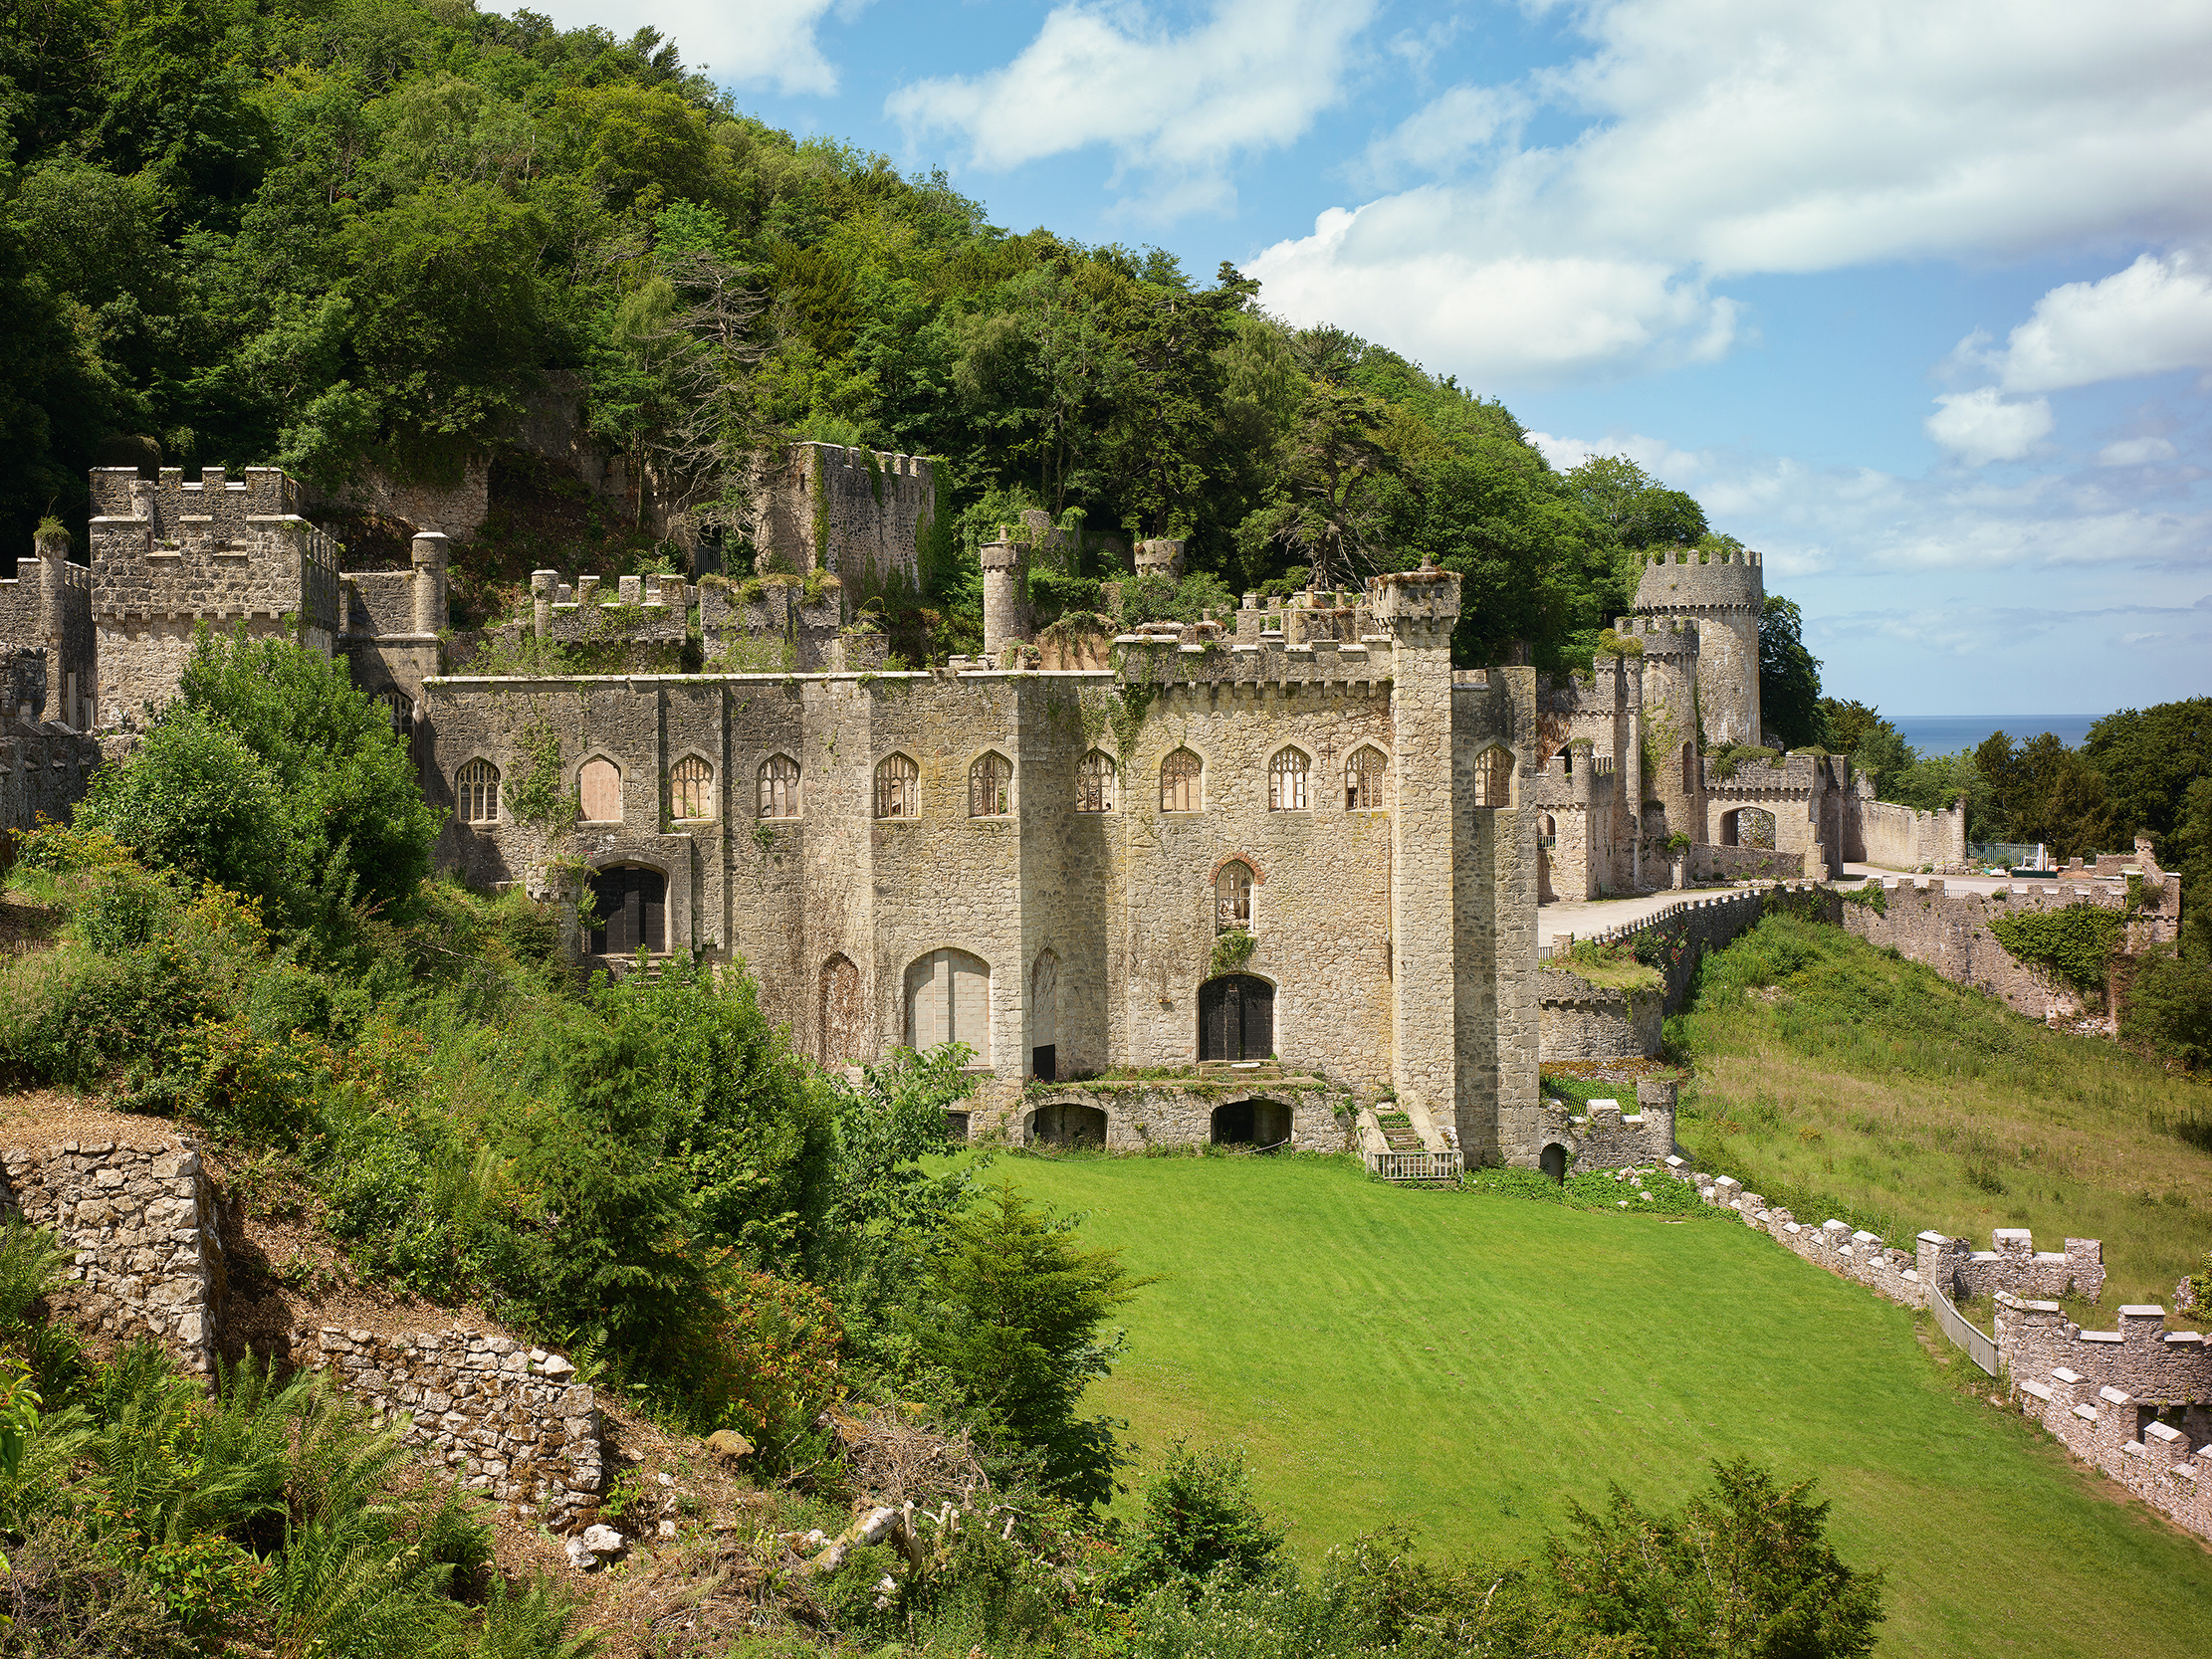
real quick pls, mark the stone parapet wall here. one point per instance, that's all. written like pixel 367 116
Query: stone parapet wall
pixel 141 1223
pixel 506 1419
pixel 1606 1139
pixel 44 772
pixel 1951 931
pixel 2141 1356
pixel 1317 1118
pixel 1899 838
pixel 2104 1426
pixel 1745 864
pixel 1581 1021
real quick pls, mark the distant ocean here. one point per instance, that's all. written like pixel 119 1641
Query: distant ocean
pixel 1948 733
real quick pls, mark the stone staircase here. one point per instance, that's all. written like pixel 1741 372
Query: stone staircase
pixel 1399 1134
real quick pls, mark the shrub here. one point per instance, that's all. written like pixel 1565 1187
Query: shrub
pixel 1199 1518
pixel 2168 1009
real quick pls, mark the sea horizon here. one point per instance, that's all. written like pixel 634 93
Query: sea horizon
pixel 1948 733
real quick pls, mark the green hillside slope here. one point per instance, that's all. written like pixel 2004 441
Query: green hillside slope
pixel 1466 1365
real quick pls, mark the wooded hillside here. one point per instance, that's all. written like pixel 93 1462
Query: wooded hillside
pixel 337 232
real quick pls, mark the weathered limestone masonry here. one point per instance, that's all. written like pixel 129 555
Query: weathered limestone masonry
pixel 1701 924
pixel 389 622
pixel 1951 932
pixel 1723 597
pixel 856 513
pixel 49 609
pixel 1581 1021
pixel 2107 1426
pixel 1899 838
pixel 1039 864
pixel 506 1419
pixel 142 1221
pixel 1605 1138
pixel 167 555
pixel 1308 1115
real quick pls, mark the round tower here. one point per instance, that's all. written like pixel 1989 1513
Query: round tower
pixel 1723 595
pixel 1003 561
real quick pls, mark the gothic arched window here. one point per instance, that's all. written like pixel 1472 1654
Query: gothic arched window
pixel 898 788
pixel 1286 781
pixel 1232 897
pixel 1366 776
pixel 476 791
pixel 1179 782
pixel 600 791
pixel 1493 777
pixel 990 786
pixel 780 788
pixel 1094 784
pixel 691 791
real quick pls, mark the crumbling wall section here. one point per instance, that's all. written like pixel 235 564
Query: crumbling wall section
pixel 141 1220
pixel 1581 1021
pixel 506 1419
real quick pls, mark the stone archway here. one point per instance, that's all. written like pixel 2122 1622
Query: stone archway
pixel 1067 1125
pixel 1748 826
pixel 1258 1122
pixel 1554 1162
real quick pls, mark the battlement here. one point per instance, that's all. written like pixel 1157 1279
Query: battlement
pixel 1668 638
pixel 1680 580
pixel 214 498
pixel 855 512
pixel 216 548
pixel 1416 603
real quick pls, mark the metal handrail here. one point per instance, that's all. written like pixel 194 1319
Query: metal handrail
pixel 1979 1346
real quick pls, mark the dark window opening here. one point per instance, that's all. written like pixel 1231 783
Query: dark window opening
pixel 631 910
pixel 1251 1123
pixel 1236 1019
pixel 1044 1063
pixel 1068 1125
pixel 1554 1162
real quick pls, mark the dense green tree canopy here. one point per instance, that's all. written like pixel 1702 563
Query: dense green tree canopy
pixel 366 234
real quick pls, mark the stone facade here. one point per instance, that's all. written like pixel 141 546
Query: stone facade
pixel 1723 595
pixel 2109 1428
pixel 1302 1113
pixel 141 1220
pixel 857 513
pixel 1604 1137
pixel 1581 1021
pixel 168 554
pixel 1391 897
pixel 506 1419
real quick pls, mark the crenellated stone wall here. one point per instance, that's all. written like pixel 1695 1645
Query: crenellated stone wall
pixel 140 1220
pixel 1581 1021
pixel 506 1419
pixel 2109 1428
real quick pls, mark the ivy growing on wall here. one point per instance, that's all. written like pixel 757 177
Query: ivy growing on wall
pixel 2074 944
pixel 1232 951
pixel 535 793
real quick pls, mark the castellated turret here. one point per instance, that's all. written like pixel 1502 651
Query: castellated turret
pixel 1725 596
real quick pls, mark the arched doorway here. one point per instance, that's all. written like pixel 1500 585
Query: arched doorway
pixel 948 1000
pixel 1068 1125
pixel 1251 1123
pixel 1554 1162
pixel 630 911
pixel 1747 826
pixel 1236 1019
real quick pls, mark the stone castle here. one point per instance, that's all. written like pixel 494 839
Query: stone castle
pixel 1287 853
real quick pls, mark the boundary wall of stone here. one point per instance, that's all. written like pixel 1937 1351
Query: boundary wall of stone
pixel 1581 1021
pixel 2102 1392
pixel 1707 923
pixel 507 1420
pixel 141 1220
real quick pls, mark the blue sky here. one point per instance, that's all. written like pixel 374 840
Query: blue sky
pixel 1915 296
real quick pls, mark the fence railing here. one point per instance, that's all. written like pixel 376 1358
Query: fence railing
pixel 1980 1349
pixel 1416 1166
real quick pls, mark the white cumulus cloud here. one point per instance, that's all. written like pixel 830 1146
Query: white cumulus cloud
pixel 2152 316
pixel 740 43
pixel 1178 106
pixel 1714 139
pixel 2136 452
pixel 1979 427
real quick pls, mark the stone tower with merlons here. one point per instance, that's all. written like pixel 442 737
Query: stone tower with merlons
pixel 1722 592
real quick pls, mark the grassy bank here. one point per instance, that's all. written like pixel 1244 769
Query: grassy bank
pixel 1466 1365
pixel 1824 1064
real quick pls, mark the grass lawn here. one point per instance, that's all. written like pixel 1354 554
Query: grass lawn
pixel 1466 1364
pixel 1828 1070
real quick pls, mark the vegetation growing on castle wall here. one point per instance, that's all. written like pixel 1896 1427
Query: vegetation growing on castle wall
pixel 2074 945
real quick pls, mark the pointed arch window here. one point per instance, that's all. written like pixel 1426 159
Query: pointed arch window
pixel 1689 769
pixel 1366 781
pixel 600 791
pixel 1286 781
pixel 1493 777
pixel 780 788
pixel 691 788
pixel 1180 778
pixel 399 709
pixel 476 792
pixel 1094 784
pixel 991 786
pixel 1232 897
pixel 898 788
